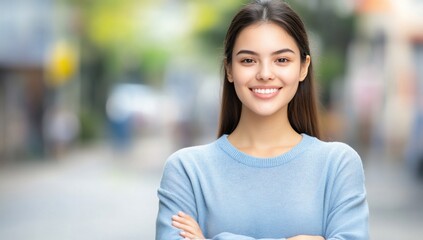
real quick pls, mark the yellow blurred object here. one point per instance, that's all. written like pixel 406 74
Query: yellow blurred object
pixel 206 16
pixel 113 23
pixel 61 63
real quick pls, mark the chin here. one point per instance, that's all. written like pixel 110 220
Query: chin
pixel 267 113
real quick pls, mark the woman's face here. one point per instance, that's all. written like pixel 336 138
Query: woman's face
pixel 266 68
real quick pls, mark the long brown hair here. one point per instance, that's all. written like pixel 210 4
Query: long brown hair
pixel 302 109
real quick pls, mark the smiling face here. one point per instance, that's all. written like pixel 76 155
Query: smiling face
pixel 266 69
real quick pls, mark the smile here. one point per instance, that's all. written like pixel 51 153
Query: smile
pixel 265 90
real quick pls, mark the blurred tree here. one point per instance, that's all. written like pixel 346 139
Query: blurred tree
pixel 334 29
pixel 214 19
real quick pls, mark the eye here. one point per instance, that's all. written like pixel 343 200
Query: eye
pixel 247 60
pixel 282 60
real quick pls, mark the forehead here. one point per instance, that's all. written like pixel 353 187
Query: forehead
pixel 265 37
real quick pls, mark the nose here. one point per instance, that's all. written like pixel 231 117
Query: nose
pixel 265 72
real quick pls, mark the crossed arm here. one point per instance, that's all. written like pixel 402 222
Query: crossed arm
pixel 190 229
pixel 347 216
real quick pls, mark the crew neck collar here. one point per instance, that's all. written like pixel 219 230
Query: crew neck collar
pixel 253 161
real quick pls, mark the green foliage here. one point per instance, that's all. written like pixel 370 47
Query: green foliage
pixel 335 33
pixel 90 126
pixel 330 68
pixel 152 63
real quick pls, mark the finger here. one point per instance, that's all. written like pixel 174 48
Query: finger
pixel 184 227
pixel 187 221
pixel 183 220
pixel 188 235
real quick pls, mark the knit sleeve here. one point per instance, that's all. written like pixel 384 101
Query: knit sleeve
pixel 175 194
pixel 230 236
pixel 347 217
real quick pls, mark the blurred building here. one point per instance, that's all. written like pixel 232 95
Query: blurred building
pixel 384 80
pixel 34 62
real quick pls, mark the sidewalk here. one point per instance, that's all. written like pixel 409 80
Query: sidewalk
pixel 90 194
pixel 395 201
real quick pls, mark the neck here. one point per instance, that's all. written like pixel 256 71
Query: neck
pixel 264 132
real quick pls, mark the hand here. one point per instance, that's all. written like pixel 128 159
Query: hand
pixel 190 228
pixel 306 237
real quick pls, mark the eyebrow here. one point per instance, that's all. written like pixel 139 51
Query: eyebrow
pixel 284 50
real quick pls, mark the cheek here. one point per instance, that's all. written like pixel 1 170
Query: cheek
pixel 242 75
pixel 289 76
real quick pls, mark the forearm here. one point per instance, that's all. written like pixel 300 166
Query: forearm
pixel 230 236
pixel 190 229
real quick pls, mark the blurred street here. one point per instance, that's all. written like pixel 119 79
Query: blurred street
pixel 93 193
pixel 95 95
pixel 395 201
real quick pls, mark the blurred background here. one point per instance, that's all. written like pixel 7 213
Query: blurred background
pixel 95 95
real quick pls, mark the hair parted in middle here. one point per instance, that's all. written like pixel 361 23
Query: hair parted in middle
pixel 302 109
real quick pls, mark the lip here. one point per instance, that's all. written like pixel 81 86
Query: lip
pixel 265 92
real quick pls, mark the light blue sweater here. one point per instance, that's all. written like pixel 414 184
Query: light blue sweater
pixel 317 188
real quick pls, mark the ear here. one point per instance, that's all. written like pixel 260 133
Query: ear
pixel 304 68
pixel 228 69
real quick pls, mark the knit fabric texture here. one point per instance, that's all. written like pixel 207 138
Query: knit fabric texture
pixel 316 188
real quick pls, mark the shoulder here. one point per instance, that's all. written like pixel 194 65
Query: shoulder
pixel 334 147
pixel 334 153
pixel 193 155
pixel 329 148
pixel 187 164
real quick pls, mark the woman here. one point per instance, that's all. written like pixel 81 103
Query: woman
pixel 267 176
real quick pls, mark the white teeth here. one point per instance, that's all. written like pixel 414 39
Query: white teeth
pixel 265 91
